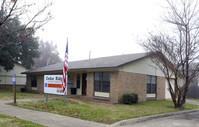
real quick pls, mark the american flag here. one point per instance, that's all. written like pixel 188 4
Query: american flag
pixel 65 71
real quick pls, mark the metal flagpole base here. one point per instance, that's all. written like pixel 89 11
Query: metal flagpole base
pixel 64 100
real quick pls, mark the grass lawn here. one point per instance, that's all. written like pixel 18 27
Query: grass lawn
pixel 101 112
pixel 7 121
pixel 8 94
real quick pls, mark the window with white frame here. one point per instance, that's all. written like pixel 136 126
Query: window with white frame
pixel 151 84
pixel 102 81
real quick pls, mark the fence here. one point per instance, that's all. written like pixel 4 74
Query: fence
pixel 193 92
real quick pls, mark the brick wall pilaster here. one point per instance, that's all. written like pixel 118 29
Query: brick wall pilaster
pixel 114 87
pixel 28 82
pixel 160 88
pixel 40 83
pixel 90 84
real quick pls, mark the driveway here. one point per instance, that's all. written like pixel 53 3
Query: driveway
pixel 184 120
pixel 181 120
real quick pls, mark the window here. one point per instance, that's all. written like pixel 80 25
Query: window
pixel 78 81
pixel 70 83
pixel 102 82
pixel 33 81
pixel 151 84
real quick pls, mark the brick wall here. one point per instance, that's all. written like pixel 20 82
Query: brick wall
pixel 127 82
pixel 28 83
pixel 114 86
pixel 160 88
pixel 120 83
pixel 10 87
pixel 132 83
pixel 40 83
pixel 90 84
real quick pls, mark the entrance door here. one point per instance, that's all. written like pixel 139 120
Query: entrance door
pixel 84 83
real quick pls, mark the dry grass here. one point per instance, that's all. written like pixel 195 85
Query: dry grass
pixel 8 94
pixel 101 112
pixel 7 121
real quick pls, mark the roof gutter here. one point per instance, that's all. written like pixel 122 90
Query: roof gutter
pixel 72 70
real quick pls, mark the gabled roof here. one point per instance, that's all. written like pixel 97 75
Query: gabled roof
pixel 111 62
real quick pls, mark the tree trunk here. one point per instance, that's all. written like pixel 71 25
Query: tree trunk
pixel 185 95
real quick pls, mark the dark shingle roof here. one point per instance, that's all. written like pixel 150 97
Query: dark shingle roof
pixel 110 62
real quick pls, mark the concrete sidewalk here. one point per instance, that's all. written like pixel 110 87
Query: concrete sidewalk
pixel 44 118
pixel 192 102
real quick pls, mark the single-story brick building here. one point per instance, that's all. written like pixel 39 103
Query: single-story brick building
pixel 107 77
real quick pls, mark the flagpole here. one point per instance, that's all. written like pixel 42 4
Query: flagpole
pixel 66 91
pixel 64 100
pixel 66 74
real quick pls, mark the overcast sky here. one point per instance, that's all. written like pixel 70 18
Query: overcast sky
pixel 104 27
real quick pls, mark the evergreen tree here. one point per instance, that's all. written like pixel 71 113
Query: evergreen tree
pixel 17 47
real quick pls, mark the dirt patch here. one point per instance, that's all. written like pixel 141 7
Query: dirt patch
pixel 4 120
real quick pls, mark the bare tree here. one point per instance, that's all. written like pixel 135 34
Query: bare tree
pixel 32 16
pixel 176 52
pixel 48 55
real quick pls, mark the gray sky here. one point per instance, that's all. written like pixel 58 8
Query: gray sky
pixel 105 27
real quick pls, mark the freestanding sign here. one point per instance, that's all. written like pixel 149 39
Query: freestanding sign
pixel 53 84
pixel 13 78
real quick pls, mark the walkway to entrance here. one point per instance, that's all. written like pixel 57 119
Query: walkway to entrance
pixel 44 118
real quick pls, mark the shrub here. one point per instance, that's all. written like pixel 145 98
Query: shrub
pixel 23 89
pixel 130 98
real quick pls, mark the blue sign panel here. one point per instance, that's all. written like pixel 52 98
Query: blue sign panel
pixel 46 84
pixel 13 79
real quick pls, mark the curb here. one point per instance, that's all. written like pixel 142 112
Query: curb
pixel 142 119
